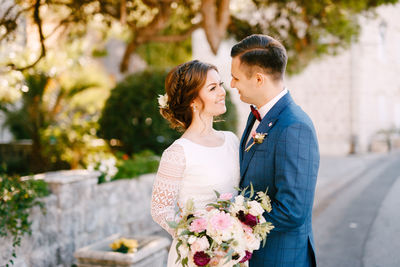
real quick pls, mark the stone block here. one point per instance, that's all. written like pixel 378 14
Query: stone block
pixel 152 251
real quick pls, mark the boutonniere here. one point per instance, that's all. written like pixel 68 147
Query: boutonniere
pixel 258 138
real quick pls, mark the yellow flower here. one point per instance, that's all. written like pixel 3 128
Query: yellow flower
pixel 116 244
pixel 130 244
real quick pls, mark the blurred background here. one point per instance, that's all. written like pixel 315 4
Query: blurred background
pixel 79 82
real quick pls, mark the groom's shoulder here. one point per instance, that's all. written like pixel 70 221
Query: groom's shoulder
pixel 294 115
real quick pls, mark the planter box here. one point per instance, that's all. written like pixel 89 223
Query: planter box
pixel 152 251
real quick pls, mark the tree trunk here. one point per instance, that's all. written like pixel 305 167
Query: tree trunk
pixel 215 21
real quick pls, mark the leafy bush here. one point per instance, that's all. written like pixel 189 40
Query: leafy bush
pixel 131 115
pixel 17 196
pixel 140 163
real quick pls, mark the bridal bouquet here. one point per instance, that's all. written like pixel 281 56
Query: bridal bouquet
pixel 224 234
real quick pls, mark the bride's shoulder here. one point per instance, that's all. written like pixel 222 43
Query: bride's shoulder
pixel 176 147
pixel 174 152
pixel 231 136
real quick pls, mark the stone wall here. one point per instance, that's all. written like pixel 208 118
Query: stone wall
pixel 80 212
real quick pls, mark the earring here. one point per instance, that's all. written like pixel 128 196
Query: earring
pixel 194 109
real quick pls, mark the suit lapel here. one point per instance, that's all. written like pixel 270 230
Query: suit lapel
pixel 249 125
pixel 265 126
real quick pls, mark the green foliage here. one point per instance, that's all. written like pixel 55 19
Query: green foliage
pixel 17 197
pixel 164 55
pixel 140 163
pixel 131 115
pixel 308 29
pixel 72 139
pixel 58 111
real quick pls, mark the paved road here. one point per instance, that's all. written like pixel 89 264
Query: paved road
pixel 357 211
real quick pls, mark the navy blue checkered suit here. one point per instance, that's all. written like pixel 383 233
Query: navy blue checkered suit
pixel 287 164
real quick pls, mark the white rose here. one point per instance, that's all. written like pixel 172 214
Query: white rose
pixel 192 239
pixel 183 250
pixel 239 200
pixel 200 244
pixel 252 243
pixel 255 208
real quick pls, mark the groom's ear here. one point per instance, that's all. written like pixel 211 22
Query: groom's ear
pixel 260 78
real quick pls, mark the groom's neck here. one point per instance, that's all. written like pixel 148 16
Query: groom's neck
pixel 269 94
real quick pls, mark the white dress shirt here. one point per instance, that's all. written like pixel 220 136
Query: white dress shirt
pixel 264 110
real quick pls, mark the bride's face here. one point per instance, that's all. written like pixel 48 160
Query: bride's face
pixel 212 96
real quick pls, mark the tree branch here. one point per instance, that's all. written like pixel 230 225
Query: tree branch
pixel 215 21
pixel 38 22
pixel 146 33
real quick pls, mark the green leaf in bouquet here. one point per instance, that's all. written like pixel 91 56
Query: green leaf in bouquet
pixel 185 261
pixel 189 206
pixel 224 245
pixel 251 190
pixel 228 256
pixel 172 224
pixel 177 250
pixel 185 232
pixel 243 191
pixel 217 193
pixel 213 205
pixel 264 241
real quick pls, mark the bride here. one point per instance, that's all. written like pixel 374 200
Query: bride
pixel 203 159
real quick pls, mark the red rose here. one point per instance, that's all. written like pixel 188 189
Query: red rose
pixel 200 258
pixel 250 220
pixel 246 257
pixel 125 157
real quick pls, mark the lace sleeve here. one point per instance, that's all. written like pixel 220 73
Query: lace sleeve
pixel 166 186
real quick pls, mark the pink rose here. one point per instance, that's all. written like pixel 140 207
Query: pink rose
pixel 221 221
pixel 200 244
pixel 214 261
pixel 198 225
pixel 246 257
pixel 226 196
pixel 247 229
pixel 200 258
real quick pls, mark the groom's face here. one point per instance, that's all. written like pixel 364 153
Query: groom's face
pixel 246 86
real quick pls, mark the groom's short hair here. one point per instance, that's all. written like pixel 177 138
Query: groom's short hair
pixel 261 51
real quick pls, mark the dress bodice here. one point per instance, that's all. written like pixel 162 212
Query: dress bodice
pixel 208 169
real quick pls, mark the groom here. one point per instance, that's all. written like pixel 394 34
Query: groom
pixel 286 161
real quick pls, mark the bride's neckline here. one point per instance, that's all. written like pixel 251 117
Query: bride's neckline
pixel 223 143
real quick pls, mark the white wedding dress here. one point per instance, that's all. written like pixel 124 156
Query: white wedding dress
pixel 189 170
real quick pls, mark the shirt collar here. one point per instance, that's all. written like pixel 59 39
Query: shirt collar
pixel 267 107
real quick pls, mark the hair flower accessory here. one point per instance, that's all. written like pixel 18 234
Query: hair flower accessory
pixel 163 101
pixel 258 139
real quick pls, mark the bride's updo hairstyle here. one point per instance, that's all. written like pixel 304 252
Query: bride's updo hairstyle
pixel 182 86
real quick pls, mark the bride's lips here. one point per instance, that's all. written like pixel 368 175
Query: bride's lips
pixel 221 101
